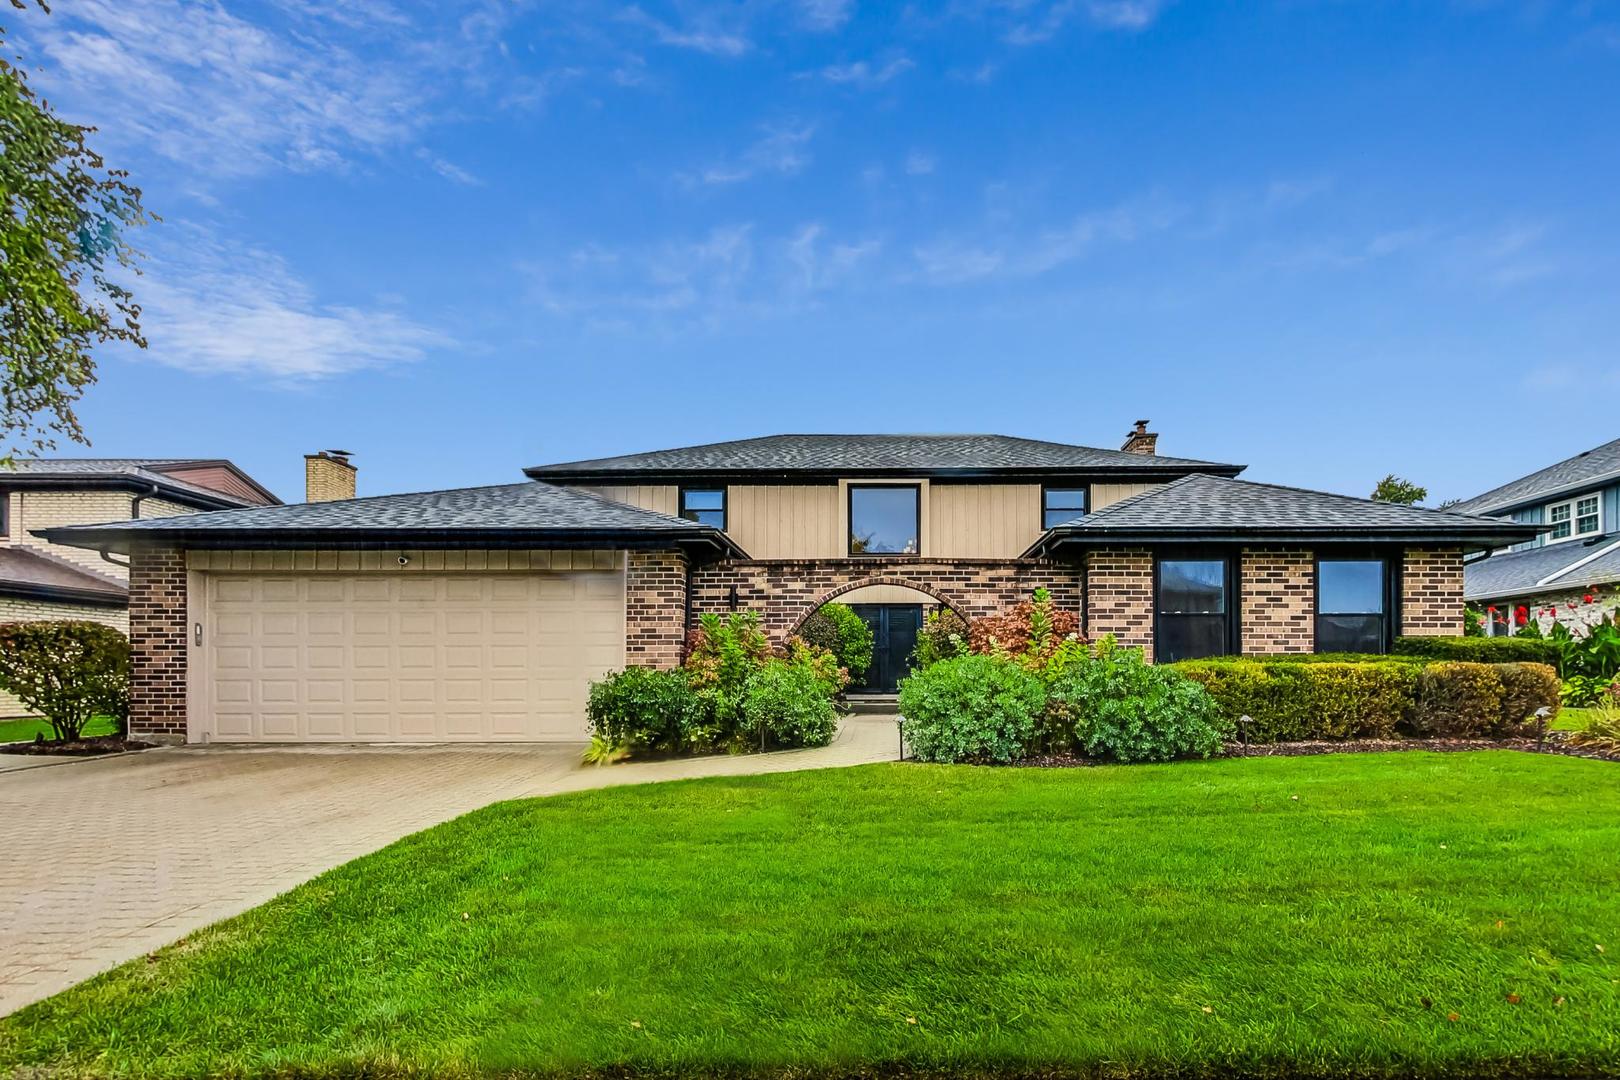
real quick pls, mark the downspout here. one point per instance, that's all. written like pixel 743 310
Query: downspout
pixel 134 515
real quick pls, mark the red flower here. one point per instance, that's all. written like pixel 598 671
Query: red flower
pixel 1491 609
pixel 1553 610
pixel 1587 598
pixel 1522 616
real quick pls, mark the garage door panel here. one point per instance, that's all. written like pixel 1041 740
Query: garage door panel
pixel 415 656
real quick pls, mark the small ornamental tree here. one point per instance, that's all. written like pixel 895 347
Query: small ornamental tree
pixel 68 672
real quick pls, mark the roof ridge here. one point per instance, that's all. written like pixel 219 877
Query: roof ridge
pixel 1341 495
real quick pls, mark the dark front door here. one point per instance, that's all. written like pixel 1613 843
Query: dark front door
pixel 894 636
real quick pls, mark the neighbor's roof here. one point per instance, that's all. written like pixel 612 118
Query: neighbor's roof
pixel 39 575
pixel 527 512
pixel 131 474
pixel 1212 508
pixel 1549 568
pixel 1586 469
pixel 855 455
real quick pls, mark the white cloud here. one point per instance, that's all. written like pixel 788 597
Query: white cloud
pixel 214 308
pixel 954 260
pixel 862 75
pixel 919 163
pixel 825 14
pixel 782 151
pixel 227 97
pixel 447 169
pixel 1039 22
pixel 709 37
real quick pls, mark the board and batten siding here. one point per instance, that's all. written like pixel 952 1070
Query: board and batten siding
pixel 808 521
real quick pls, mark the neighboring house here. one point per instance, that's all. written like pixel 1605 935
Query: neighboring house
pixel 41 580
pixel 1577 505
pixel 483 613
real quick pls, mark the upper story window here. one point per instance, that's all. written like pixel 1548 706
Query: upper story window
pixel 1193 614
pixel 5 513
pixel 1352 605
pixel 1061 504
pixel 706 506
pixel 885 519
pixel 1581 516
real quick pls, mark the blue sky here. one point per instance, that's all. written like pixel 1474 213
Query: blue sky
pixel 1329 240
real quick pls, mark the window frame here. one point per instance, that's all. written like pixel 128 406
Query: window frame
pixel 1573 503
pixel 5 514
pixel 1047 489
pixel 725 503
pixel 1232 623
pixel 849 521
pixel 1392 595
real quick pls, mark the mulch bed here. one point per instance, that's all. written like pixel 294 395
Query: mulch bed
pixel 1557 742
pixel 99 744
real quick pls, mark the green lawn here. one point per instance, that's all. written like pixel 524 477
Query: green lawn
pixel 1270 914
pixel 25 730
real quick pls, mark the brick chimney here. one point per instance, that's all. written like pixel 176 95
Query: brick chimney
pixel 328 476
pixel 1141 440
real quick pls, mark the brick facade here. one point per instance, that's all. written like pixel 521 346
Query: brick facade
pixel 1277 594
pixel 1432 592
pixel 654 608
pixel 1119 596
pixel 157 640
pixel 786 591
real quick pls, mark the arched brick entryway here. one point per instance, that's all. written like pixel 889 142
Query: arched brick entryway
pixel 786 591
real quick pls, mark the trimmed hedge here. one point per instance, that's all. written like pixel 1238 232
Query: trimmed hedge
pixel 1481 650
pixel 1316 658
pixel 1286 700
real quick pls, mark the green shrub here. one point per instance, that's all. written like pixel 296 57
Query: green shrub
pixel 788 705
pixel 1602 730
pixel 819 630
pixel 1457 699
pixel 971 708
pixel 1526 688
pixel 1582 691
pixel 820 664
pixel 721 655
pixel 943 636
pixel 1480 650
pixel 69 672
pixel 1125 709
pixel 1320 658
pixel 648 710
pixel 1288 701
pixel 855 640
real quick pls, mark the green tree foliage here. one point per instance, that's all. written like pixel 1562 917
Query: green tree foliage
pixel 1393 489
pixel 61 238
pixel 68 672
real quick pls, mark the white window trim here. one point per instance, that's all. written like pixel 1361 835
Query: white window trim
pixel 1574 518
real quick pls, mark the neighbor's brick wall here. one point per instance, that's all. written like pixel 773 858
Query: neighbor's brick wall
pixel 1277 591
pixel 787 590
pixel 1119 596
pixel 157 639
pixel 1432 592
pixel 654 608
pixel 13 609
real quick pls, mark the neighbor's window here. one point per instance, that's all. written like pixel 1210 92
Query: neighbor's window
pixel 1576 517
pixel 1352 606
pixel 1061 504
pixel 884 520
pixel 1193 614
pixel 706 506
pixel 5 513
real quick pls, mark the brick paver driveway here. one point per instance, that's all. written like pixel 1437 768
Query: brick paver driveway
pixel 105 860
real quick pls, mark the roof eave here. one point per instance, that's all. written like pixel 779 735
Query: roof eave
pixel 705 542
pixel 1164 471
pixel 63 594
pixel 1480 539
pixel 135 485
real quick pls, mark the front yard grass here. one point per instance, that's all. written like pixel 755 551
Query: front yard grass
pixel 1411 913
pixel 25 730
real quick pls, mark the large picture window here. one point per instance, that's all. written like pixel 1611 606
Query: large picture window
pixel 1193 608
pixel 706 506
pixel 1352 605
pixel 885 519
pixel 1061 504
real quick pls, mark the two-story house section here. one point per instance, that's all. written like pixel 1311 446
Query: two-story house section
pixel 1576 505
pixel 41 580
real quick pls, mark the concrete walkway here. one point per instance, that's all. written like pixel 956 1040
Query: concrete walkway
pixel 106 859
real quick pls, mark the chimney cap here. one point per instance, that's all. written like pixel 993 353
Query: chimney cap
pixel 1141 427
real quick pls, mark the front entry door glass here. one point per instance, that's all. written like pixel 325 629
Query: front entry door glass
pixel 894 636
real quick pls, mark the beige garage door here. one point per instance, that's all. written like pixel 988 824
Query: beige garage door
pixel 415 657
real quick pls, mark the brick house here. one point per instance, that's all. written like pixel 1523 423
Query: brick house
pixel 483 613
pixel 41 580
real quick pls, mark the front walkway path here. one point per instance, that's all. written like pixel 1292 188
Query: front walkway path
pixel 107 859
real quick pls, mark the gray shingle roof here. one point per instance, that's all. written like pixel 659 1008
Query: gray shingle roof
pixel 1202 507
pixel 527 510
pixel 39 574
pixel 1516 573
pixel 132 471
pixel 855 454
pixel 1586 469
